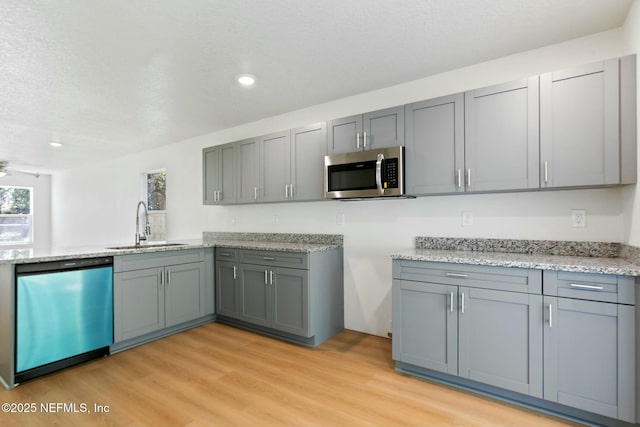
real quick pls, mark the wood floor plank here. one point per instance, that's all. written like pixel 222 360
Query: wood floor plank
pixel 220 375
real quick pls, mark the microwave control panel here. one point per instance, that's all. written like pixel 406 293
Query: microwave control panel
pixel 391 173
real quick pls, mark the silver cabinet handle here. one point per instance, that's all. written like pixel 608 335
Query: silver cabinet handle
pixel 364 139
pixel 459 178
pixel 255 193
pixel 451 302
pixel 357 139
pixel 268 258
pixel 271 277
pixel 459 275
pixel 235 272
pixel 162 278
pixel 590 287
pixel 215 196
pixel 550 316
pixel 468 177
pixel 286 191
pixel 219 195
pixel 291 191
pixel 546 172
pixel 225 254
pixel 462 305
pixel 266 282
pixel 168 277
pixel 379 173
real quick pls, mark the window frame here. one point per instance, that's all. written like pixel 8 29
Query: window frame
pixel 29 216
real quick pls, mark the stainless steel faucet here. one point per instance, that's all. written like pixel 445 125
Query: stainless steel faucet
pixel 147 228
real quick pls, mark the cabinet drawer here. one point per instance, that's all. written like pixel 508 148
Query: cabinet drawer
pixel 474 276
pixel 224 254
pixel 590 286
pixel 275 258
pixel 156 259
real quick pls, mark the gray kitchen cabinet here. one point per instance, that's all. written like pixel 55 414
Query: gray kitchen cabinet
pixel 294 296
pixel 425 325
pixel 275 166
pixel 500 339
pixel 377 129
pixel 158 290
pixel 589 353
pixel 248 170
pixel 255 304
pixel 501 137
pixel 434 152
pixel 308 148
pixel 219 181
pixel 587 125
pixel 275 297
pixel 227 295
pixel 474 322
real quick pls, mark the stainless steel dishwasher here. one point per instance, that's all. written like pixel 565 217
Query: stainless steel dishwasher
pixel 64 314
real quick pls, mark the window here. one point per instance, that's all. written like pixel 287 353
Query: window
pixel 156 190
pixel 16 215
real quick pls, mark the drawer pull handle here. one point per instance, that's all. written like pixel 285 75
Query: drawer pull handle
pixel 590 287
pixel 462 303
pixel 460 275
pixel 268 258
pixel 225 254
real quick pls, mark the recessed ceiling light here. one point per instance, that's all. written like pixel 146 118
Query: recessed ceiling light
pixel 246 79
pixel 55 144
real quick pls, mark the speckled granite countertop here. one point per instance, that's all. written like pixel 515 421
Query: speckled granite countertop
pixel 259 241
pixel 604 258
pixel 284 242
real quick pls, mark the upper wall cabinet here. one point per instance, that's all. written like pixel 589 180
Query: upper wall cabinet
pixel 275 166
pixel 247 170
pixel 501 137
pixel 308 148
pixel 378 129
pixel 434 153
pixel 587 125
pixel 219 182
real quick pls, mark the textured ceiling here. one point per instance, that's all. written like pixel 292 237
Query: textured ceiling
pixel 109 77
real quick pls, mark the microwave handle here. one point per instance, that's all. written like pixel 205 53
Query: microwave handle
pixel 379 173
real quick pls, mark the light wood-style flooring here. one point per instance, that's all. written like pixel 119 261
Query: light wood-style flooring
pixel 220 375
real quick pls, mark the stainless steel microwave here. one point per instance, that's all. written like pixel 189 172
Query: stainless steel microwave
pixel 364 174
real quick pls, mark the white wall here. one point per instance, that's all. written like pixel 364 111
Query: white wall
pixel 41 206
pixel 96 203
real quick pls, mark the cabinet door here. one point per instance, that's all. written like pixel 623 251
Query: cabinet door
pixel 275 166
pixel 255 302
pixel 290 300
pixel 435 145
pixel 248 171
pixel 500 341
pixel 308 148
pixel 425 325
pixel 502 137
pixel 579 126
pixel 227 168
pixel 138 303
pixel 227 296
pixel 345 135
pixel 211 175
pixel 383 128
pixel 184 293
pixel 589 356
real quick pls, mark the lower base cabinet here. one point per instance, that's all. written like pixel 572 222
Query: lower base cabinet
pixel 570 351
pixel 160 290
pixel 296 296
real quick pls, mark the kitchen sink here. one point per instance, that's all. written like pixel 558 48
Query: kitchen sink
pixel 152 245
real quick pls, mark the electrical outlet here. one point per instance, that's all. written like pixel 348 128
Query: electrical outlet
pixel 276 219
pixel 340 218
pixel 232 220
pixel 467 219
pixel 578 218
